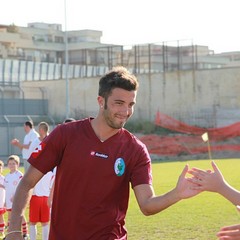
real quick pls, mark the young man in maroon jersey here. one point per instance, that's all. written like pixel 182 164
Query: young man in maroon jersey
pixel 96 159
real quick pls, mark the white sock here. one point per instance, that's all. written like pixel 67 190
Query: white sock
pixel 45 232
pixel 33 232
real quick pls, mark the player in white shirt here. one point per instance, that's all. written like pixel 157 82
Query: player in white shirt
pixel 39 209
pixel 2 201
pixel 11 182
pixel 30 136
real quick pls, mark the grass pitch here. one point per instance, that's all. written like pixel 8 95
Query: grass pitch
pixel 198 218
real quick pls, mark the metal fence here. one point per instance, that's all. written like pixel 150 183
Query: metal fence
pixel 91 62
pixel 13 114
pixel 11 126
pixel 23 107
pixel 12 72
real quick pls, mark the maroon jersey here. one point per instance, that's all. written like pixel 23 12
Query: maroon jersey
pixel 92 181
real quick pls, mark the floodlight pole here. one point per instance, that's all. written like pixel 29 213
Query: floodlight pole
pixel 66 61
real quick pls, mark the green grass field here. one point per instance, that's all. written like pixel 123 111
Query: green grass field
pixel 198 218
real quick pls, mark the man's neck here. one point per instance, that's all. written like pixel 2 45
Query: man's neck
pixel 41 137
pixel 102 131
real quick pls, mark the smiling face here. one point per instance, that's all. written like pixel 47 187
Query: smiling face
pixel 118 107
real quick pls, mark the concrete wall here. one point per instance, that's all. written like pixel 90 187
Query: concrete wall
pixel 208 98
pixel 199 97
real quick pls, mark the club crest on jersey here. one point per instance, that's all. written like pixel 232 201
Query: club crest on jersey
pixel 38 150
pixel 119 167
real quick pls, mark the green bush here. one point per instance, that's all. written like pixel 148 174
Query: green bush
pixel 146 127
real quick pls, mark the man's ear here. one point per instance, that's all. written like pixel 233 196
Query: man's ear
pixel 100 101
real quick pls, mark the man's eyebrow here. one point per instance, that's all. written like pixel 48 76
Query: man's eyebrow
pixel 122 101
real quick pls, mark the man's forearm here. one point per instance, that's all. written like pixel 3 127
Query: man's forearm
pixel 21 199
pixel 157 204
pixel 22 146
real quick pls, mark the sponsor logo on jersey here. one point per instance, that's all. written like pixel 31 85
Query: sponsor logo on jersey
pixel 38 150
pixel 97 154
pixel 119 167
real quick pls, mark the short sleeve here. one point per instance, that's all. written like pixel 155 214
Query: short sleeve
pixel 142 171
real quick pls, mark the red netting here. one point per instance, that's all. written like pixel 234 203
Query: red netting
pixel 215 134
pixel 189 140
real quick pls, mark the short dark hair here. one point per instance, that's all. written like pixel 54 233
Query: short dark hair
pixel 69 120
pixel 118 77
pixel 29 124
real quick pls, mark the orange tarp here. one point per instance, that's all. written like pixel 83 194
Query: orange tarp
pixel 189 138
pixel 222 133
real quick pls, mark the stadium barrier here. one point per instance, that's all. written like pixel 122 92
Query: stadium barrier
pixel 187 139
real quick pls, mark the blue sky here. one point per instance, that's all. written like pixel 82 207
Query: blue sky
pixel 207 22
